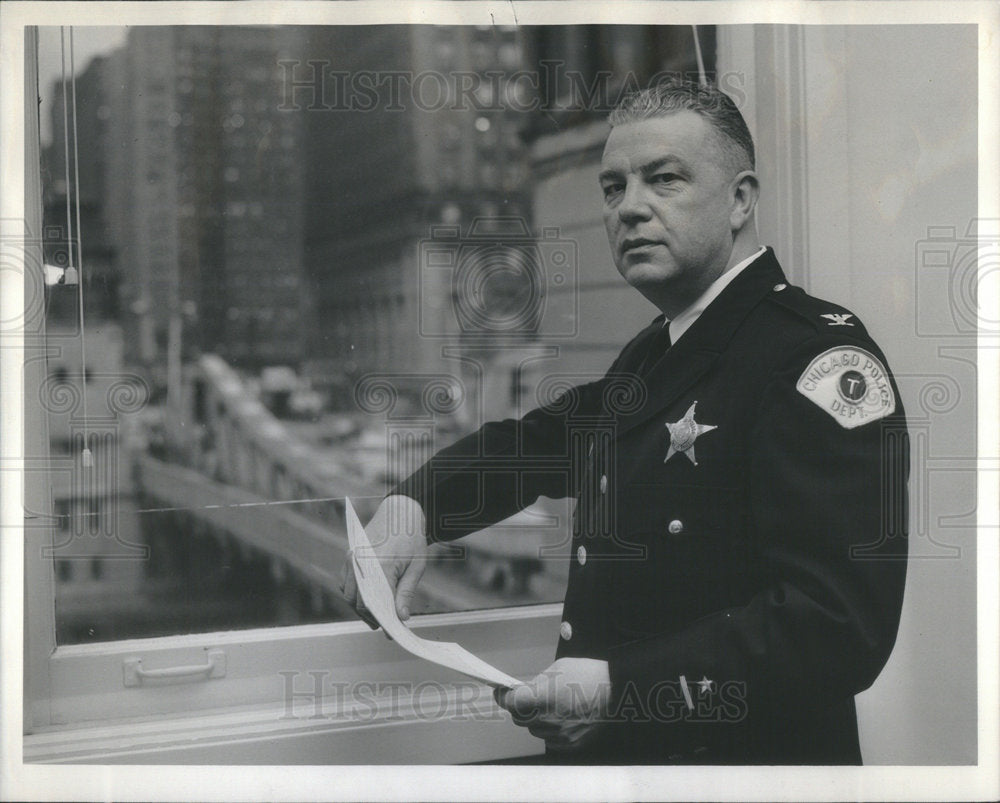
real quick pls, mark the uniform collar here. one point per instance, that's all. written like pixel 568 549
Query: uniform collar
pixel 706 337
pixel 682 322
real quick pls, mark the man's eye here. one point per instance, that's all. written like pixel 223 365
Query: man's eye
pixel 665 178
pixel 612 189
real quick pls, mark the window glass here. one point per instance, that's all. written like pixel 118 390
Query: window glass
pixel 243 219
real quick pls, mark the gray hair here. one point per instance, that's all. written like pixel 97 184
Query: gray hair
pixel 708 102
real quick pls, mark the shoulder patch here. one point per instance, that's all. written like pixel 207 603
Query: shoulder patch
pixel 850 384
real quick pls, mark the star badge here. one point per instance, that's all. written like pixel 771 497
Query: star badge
pixel 684 433
pixel 705 684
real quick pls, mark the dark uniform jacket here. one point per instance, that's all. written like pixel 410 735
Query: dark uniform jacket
pixel 739 541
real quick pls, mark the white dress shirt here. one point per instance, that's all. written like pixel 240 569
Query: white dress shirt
pixel 680 324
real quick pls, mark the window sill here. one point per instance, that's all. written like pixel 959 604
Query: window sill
pixel 437 726
pixel 315 694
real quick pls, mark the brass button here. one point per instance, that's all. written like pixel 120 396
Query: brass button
pixel 565 631
pixel 581 554
pixel 779 287
pixel 604 483
pixel 676 527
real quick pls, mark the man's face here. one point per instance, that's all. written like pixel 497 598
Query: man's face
pixel 668 196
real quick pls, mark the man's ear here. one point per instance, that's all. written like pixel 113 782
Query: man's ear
pixel 746 190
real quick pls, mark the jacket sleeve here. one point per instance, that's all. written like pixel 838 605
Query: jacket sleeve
pixel 506 465
pixel 825 514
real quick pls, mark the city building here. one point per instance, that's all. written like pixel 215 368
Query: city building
pixel 86 106
pixel 584 69
pixel 414 155
pixel 205 193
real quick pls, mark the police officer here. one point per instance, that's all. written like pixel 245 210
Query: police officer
pixel 739 543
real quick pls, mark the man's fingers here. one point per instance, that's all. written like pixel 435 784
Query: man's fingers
pixel 367 618
pixel 549 731
pixel 526 709
pixel 504 696
pixel 521 702
pixel 406 589
pixel 350 590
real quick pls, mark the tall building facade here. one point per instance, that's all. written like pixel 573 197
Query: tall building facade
pixel 87 107
pixel 411 145
pixel 206 194
pixel 405 200
pixel 453 222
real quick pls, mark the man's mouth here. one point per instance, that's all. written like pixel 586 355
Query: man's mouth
pixel 638 243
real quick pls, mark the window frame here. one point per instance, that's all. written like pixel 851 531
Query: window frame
pixel 75 704
pixel 75 697
pixel 79 699
pixel 77 708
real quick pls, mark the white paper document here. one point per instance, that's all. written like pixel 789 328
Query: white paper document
pixel 378 598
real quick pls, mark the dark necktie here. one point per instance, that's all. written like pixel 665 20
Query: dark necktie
pixel 658 345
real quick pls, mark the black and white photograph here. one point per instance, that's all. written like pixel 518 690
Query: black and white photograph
pixel 460 400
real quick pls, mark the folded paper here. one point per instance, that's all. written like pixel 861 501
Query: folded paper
pixel 379 599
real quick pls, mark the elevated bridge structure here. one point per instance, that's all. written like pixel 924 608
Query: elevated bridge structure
pixel 243 478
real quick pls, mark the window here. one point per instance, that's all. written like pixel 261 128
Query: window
pixel 78 706
pixel 203 523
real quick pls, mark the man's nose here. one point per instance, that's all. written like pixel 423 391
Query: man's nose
pixel 633 205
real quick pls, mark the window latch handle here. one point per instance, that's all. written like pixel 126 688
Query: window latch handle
pixel 134 674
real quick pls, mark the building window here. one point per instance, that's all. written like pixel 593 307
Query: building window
pixel 179 542
pixel 598 62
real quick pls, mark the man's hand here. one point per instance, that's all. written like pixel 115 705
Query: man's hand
pixel 396 533
pixel 565 705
